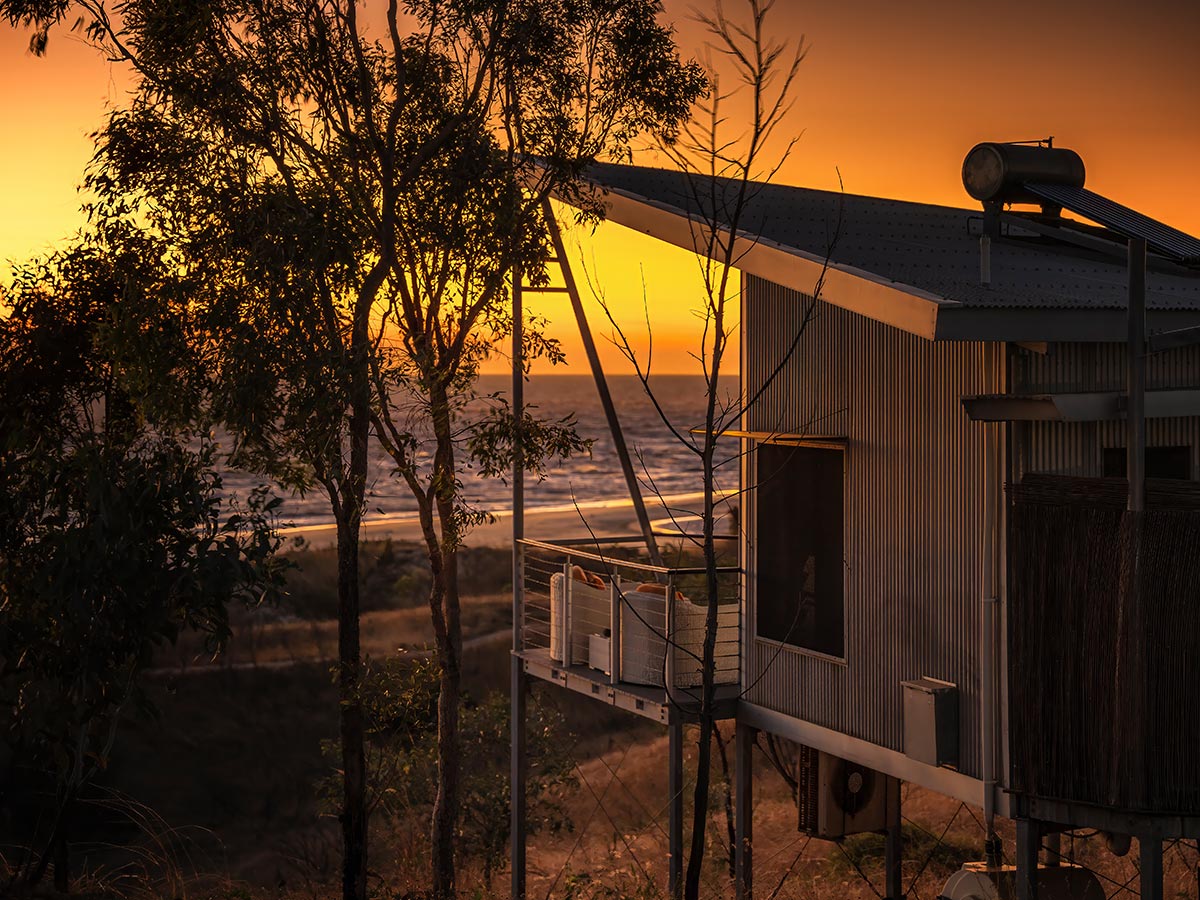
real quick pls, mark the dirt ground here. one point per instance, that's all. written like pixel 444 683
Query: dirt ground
pixel 621 840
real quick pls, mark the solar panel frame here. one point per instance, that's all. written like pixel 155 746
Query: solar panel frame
pixel 1162 238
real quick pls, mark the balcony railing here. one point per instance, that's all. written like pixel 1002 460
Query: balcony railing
pixel 611 619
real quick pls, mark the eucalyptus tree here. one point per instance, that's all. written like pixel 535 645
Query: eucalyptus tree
pixel 350 209
pixel 575 81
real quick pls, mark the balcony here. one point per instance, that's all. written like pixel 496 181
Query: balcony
pixel 596 620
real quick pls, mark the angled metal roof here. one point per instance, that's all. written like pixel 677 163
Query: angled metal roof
pixel 914 265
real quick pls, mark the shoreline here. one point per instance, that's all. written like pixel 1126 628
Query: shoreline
pixel 603 518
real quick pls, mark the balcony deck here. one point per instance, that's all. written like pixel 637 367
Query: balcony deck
pixel 574 602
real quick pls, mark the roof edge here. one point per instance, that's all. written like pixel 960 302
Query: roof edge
pixel 899 305
pixel 892 303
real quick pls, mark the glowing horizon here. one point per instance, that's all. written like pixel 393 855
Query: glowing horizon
pixel 888 102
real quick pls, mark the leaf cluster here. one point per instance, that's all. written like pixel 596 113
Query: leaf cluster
pixel 114 534
pixel 501 441
pixel 338 200
pixel 399 700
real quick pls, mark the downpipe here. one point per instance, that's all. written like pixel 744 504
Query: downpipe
pixel 989 608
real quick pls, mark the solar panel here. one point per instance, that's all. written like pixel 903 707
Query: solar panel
pixel 1161 238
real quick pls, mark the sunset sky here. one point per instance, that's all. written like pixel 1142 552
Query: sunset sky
pixel 892 94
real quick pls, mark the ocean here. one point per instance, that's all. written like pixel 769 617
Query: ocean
pixel 664 467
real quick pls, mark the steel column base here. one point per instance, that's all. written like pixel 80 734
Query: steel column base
pixel 744 811
pixel 675 815
pixel 1151 863
pixel 517 778
pixel 893 847
pixel 1029 845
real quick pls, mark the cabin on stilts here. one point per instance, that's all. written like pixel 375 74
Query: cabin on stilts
pixel 970 547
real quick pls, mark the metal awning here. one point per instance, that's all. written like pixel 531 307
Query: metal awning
pixel 1088 406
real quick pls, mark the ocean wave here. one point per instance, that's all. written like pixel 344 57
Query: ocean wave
pixel 662 464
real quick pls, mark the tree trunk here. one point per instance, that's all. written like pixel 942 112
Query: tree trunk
pixel 727 798
pixel 448 630
pixel 445 807
pixel 348 509
pixel 62 865
pixel 354 788
pixel 700 796
pixel 55 850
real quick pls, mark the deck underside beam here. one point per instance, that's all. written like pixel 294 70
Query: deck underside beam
pixel 647 701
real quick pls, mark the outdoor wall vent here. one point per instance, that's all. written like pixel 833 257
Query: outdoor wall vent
pixel 931 721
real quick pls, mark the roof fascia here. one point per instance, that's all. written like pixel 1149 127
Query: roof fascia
pixel 1025 325
pixel 892 303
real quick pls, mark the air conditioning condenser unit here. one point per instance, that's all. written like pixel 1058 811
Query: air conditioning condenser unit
pixel 837 797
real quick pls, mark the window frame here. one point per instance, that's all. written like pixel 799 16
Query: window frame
pixel 840 445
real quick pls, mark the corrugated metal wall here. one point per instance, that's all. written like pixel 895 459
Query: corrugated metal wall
pixel 1076 448
pixel 913 509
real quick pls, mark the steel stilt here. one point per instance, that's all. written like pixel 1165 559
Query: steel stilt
pixel 675 816
pixel 743 743
pixel 893 847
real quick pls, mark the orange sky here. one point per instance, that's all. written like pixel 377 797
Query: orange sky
pixel 892 93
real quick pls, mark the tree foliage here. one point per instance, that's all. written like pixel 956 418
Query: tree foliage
pixel 400 700
pixel 348 207
pixel 114 535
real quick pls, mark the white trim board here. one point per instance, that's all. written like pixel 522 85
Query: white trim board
pixel 881 759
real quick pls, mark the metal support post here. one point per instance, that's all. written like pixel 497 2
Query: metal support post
pixel 1029 843
pixel 1052 845
pixel 517 688
pixel 743 777
pixel 893 846
pixel 1135 412
pixel 610 411
pixel 675 816
pixel 518 471
pixel 992 564
pixel 616 596
pixel 671 660
pixel 518 775
pixel 1151 864
pixel 1129 674
pixel 568 643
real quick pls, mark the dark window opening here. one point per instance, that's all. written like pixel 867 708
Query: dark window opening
pixel 799 536
pixel 1161 462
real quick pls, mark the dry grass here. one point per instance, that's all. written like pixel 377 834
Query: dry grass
pixel 265 638
pixel 232 762
pixel 271 846
pixel 619 849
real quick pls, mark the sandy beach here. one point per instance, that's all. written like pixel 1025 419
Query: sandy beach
pixel 604 518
